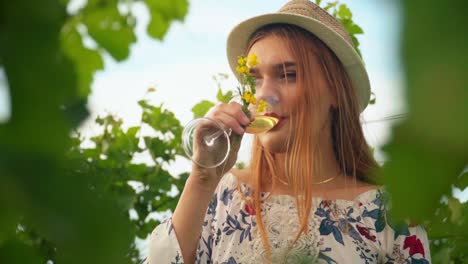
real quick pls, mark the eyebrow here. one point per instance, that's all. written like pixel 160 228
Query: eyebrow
pixel 277 67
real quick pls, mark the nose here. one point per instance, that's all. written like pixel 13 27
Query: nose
pixel 268 93
pixel 271 100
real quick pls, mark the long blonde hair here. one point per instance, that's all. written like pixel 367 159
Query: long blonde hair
pixel 349 146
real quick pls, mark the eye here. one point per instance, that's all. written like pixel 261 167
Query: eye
pixel 290 76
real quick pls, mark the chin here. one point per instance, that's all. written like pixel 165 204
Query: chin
pixel 274 142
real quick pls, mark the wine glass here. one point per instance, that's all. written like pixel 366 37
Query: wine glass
pixel 208 143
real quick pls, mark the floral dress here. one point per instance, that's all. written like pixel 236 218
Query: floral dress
pixel 340 231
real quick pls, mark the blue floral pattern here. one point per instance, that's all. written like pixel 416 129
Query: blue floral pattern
pixel 340 231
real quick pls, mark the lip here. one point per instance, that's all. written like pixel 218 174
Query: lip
pixel 280 121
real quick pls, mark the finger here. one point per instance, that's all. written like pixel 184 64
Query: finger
pixel 228 121
pixel 235 109
pixel 215 108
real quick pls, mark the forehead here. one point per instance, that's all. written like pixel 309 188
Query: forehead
pixel 271 50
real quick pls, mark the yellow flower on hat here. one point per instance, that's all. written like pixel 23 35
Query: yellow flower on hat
pixel 252 60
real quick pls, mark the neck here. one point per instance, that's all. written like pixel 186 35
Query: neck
pixel 326 175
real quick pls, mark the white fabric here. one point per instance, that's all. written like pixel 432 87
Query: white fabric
pixel 350 233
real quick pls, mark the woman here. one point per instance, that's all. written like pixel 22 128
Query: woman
pixel 308 195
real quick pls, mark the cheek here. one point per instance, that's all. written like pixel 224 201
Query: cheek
pixel 292 100
pixel 320 100
pixel 326 95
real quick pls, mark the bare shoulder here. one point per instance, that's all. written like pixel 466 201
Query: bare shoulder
pixel 350 190
pixel 365 187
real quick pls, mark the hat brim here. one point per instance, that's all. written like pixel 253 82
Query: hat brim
pixel 239 36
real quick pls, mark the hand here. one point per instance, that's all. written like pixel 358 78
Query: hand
pixel 231 117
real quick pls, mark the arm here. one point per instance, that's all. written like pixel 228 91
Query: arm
pixel 191 211
pixel 189 216
pixel 176 239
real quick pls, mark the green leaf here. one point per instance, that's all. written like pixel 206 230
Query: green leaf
pixel 136 172
pixel 75 110
pixel 159 149
pixel 90 153
pixel 224 98
pixel 125 197
pixel 344 12
pixel 87 61
pixel 64 3
pixel 160 119
pixel 19 252
pixel 330 5
pixel 356 45
pixel 413 162
pixel 158 26
pixel 109 28
pixel 132 131
pixel 456 211
pixel 202 108
pixel 162 181
pixel 169 9
pixel 355 29
pixel 442 256
pixel 163 12
pixel 462 181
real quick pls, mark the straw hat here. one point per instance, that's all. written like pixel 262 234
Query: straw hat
pixel 314 19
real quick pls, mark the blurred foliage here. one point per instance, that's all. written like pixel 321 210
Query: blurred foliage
pixel 447 231
pixel 429 150
pixel 52 208
pixel 202 108
pixel 137 188
pixel 343 14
